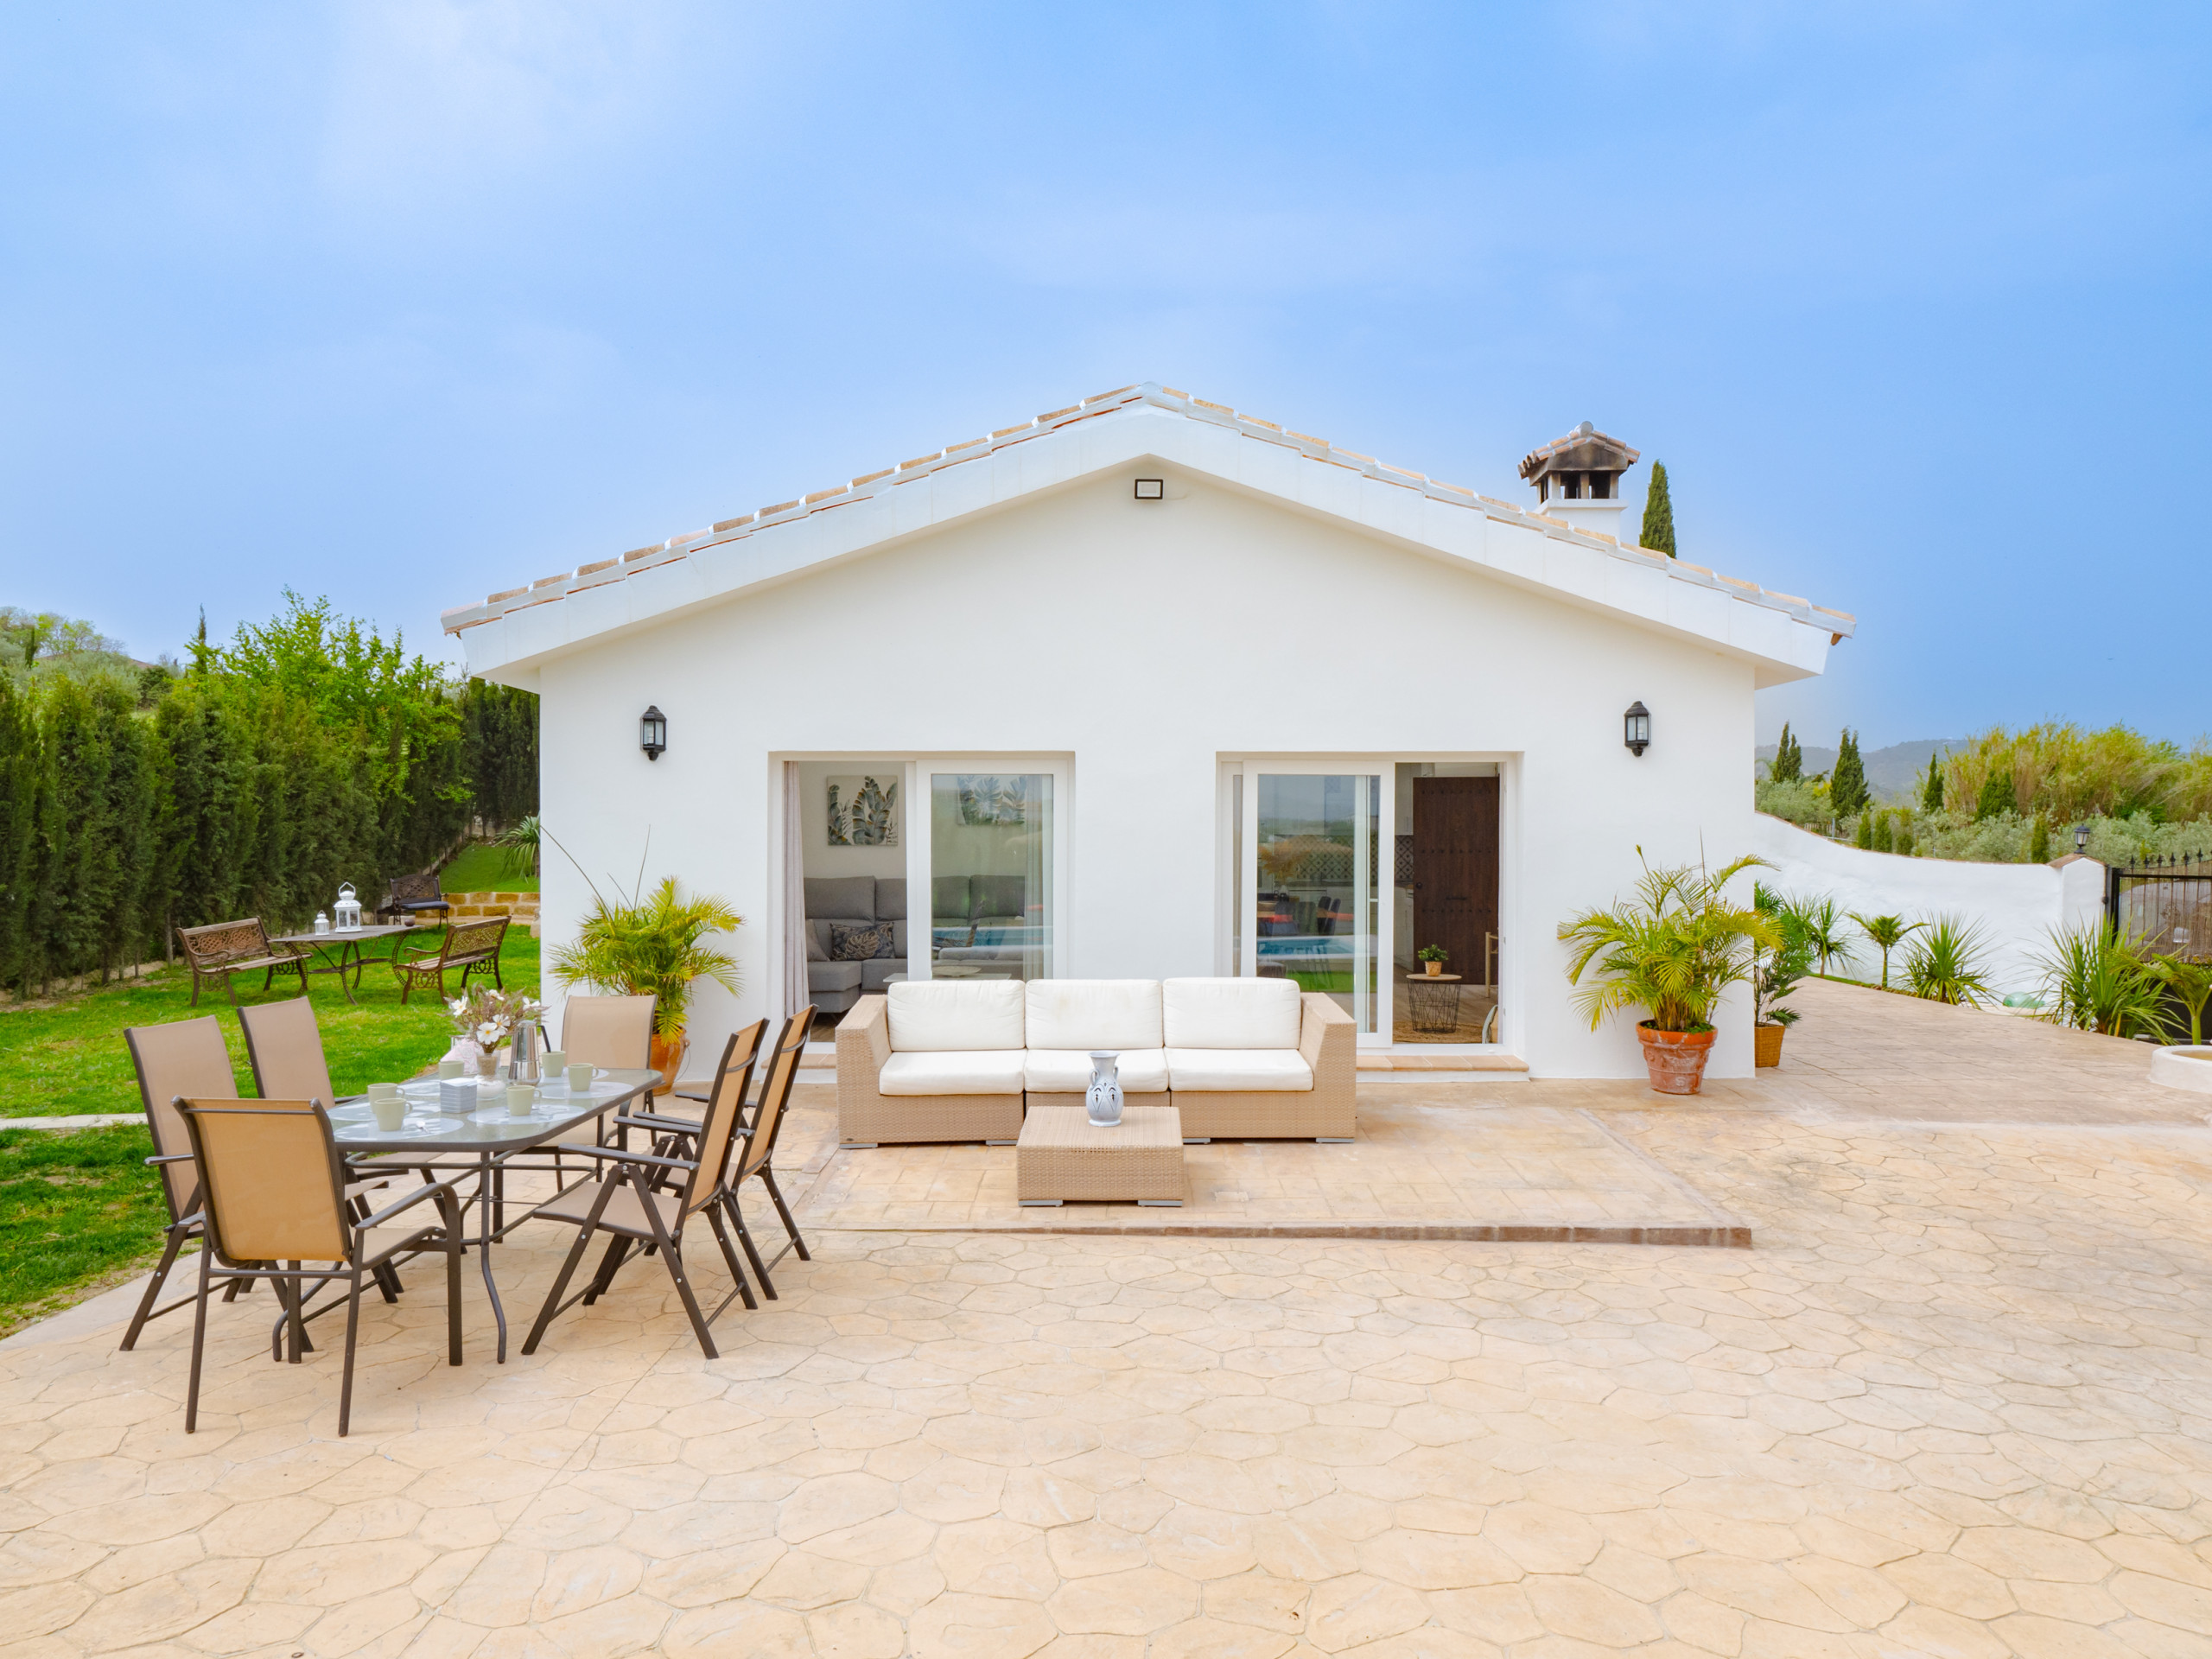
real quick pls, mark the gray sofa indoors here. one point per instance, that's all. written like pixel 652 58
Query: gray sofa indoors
pixel 977 922
pixel 852 901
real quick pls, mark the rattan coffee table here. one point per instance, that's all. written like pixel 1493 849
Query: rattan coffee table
pixel 1060 1156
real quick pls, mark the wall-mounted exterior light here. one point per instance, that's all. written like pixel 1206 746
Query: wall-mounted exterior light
pixel 2081 837
pixel 652 733
pixel 1636 728
pixel 1152 489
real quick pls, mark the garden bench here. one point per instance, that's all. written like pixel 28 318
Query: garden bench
pixel 222 948
pixel 409 895
pixel 468 946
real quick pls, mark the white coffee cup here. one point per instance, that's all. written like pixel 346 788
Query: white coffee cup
pixel 579 1079
pixel 390 1113
pixel 521 1097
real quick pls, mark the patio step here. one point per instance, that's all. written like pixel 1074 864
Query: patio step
pixel 1510 1065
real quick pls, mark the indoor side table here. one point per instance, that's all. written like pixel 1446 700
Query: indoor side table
pixel 1062 1155
pixel 1432 1000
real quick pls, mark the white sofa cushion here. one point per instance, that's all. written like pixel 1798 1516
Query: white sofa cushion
pixel 1088 1013
pixel 1232 1014
pixel 1223 1070
pixel 952 1071
pixel 956 1015
pixel 1067 1070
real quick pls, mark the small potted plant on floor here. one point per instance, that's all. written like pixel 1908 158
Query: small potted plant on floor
pixel 652 946
pixel 1776 970
pixel 1672 950
pixel 1433 958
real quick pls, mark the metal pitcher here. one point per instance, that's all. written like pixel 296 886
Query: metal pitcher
pixel 529 1041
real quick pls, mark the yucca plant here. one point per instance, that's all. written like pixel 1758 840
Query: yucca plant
pixel 1820 922
pixel 2097 980
pixel 2188 983
pixel 1947 963
pixel 1673 949
pixel 1885 933
pixel 651 947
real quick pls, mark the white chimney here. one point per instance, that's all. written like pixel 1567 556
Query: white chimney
pixel 1578 480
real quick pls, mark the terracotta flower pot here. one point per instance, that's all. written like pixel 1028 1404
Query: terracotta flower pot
pixel 668 1056
pixel 1767 1040
pixel 1675 1059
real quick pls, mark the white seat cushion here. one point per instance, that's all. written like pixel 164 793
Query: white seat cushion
pixel 1223 1070
pixel 1088 1013
pixel 1067 1070
pixel 962 1015
pixel 1231 1012
pixel 943 1072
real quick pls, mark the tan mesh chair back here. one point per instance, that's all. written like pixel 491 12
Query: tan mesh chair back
pixel 615 1032
pixel 285 1048
pixel 187 1057
pixel 783 1072
pixel 275 1188
pixel 718 1130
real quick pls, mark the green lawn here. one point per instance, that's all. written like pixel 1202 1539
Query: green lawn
pixel 77 1207
pixel 484 869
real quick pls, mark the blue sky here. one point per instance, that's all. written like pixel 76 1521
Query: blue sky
pixel 404 303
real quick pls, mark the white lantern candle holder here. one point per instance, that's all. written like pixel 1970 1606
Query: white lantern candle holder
pixel 349 910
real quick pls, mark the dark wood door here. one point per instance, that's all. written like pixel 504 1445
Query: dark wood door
pixel 1455 869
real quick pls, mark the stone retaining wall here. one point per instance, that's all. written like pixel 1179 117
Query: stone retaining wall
pixel 523 906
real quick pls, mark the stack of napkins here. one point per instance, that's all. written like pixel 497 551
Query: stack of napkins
pixel 456 1097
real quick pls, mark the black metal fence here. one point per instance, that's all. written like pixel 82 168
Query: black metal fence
pixel 2167 903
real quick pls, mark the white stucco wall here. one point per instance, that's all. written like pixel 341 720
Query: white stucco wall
pixel 2016 906
pixel 1144 643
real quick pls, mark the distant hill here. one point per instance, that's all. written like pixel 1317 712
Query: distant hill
pixel 1891 773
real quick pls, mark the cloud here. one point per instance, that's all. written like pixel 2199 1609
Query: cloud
pixel 435 101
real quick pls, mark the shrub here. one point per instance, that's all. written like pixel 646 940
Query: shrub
pixel 1946 964
pixel 2098 980
pixel 1673 949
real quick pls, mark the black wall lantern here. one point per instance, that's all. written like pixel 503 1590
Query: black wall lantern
pixel 652 733
pixel 1636 728
pixel 2081 837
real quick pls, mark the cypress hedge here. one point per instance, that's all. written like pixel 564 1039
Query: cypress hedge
pixel 259 780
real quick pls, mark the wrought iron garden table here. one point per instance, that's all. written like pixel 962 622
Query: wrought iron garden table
pixel 348 950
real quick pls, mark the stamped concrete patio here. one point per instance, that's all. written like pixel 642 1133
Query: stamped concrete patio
pixel 1955 1402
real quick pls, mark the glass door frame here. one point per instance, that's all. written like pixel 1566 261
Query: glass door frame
pixel 1244 896
pixel 921 840
pixel 1237 859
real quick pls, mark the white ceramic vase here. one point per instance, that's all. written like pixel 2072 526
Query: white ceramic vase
pixel 1104 1097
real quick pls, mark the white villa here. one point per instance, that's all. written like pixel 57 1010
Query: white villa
pixel 1146 688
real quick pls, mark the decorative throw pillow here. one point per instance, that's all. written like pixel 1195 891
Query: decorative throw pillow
pixel 859 944
pixel 814 950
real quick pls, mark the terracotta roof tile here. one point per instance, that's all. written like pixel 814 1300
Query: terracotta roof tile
pixel 1105 405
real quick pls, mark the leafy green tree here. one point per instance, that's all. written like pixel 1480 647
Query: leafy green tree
pixel 1996 796
pixel 1658 533
pixel 2039 842
pixel 1865 837
pixel 1847 790
pixel 1788 763
pixel 1931 792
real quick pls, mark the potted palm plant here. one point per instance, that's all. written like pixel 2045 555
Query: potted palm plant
pixel 1674 949
pixel 653 946
pixel 1776 970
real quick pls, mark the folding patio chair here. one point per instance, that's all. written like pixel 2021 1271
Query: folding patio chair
pixel 613 1032
pixel 754 1157
pixel 285 1047
pixel 186 1057
pixel 274 1199
pixel 624 1202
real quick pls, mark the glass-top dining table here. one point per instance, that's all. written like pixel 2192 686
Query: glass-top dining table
pixel 487 1138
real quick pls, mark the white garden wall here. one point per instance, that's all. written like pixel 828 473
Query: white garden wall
pixel 2016 906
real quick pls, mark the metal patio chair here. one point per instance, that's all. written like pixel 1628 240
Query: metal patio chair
pixel 626 1203
pixel 275 1200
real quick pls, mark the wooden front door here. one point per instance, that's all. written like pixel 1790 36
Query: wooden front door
pixel 1455 870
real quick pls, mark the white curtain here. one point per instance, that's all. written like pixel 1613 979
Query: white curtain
pixel 795 992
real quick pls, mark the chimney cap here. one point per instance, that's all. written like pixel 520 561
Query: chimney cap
pixel 1585 449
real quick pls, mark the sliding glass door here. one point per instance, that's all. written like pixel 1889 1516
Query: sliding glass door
pixel 991 862
pixel 1308 838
